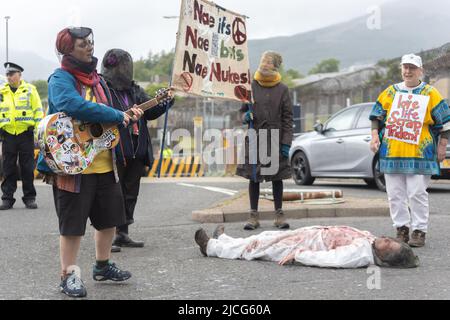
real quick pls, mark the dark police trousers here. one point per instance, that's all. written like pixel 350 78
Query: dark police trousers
pixel 22 147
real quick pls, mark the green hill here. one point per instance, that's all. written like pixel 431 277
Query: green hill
pixel 406 26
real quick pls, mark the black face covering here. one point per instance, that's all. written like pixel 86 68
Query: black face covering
pixel 117 68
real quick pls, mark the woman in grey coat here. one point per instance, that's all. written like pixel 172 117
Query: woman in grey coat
pixel 272 119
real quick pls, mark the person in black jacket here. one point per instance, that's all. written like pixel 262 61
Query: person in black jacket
pixel 271 113
pixel 135 149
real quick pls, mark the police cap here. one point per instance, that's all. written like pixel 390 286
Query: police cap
pixel 12 67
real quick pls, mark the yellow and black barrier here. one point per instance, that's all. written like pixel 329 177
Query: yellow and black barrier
pixel 178 167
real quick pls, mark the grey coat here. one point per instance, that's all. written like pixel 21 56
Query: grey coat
pixel 272 110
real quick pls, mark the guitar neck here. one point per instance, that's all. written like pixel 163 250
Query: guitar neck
pixel 145 106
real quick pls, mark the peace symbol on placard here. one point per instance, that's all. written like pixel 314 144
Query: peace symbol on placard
pixel 187 81
pixel 242 93
pixel 239 31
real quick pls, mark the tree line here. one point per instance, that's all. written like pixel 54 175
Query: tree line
pixel 158 66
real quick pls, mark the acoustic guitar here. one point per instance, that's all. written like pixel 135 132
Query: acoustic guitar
pixel 69 146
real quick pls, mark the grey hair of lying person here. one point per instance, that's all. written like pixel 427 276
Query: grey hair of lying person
pixel 404 258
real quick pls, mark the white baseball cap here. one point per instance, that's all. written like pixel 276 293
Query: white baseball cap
pixel 412 59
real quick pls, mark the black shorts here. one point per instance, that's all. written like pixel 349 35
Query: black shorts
pixel 100 200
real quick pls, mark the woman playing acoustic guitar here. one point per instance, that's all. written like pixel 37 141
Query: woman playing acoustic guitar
pixel 78 91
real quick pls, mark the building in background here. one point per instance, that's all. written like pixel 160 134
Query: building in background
pixel 322 95
pixel 437 73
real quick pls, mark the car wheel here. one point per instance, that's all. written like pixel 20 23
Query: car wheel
pixel 370 182
pixel 378 180
pixel 301 172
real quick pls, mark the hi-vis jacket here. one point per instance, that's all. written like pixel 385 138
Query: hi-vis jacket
pixel 20 110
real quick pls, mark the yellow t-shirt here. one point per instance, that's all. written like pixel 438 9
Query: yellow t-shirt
pixel 103 162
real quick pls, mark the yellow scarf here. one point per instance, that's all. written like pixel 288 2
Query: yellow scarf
pixel 268 81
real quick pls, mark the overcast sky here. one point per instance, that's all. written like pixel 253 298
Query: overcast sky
pixel 138 25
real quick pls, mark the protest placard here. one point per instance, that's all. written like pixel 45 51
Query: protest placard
pixel 211 56
pixel 405 121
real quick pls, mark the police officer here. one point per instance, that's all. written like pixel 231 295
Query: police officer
pixel 20 112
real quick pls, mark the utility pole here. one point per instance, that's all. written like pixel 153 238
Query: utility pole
pixel 7 38
pixel 204 112
pixel 212 111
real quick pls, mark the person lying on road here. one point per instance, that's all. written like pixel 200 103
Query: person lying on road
pixel 327 247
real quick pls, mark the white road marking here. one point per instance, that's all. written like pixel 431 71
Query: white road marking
pixel 213 189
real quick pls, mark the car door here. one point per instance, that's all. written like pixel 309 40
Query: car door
pixel 359 157
pixel 329 152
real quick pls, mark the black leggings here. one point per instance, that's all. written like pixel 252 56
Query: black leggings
pixel 254 189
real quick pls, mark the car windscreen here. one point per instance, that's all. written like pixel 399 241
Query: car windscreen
pixel 342 121
pixel 364 121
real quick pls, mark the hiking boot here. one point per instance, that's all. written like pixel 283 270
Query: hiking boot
pixel 116 249
pixel 280 221
pixel 253 221
pixel 123 240
pixel 72 285
pixel 220 230
pixel 110 272
pixel 31 204
pixel 6 205
pixel 201 238
pixel 417 239
pixel 403 234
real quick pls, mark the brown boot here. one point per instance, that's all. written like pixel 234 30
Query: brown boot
pixel 253 221
pixel 280 220
pixel 417 239
pixel 403 234
pixel 220 230
pixel 202 239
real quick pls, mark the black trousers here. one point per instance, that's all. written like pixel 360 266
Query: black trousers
pixel 130 181
pixel 22 147
pixel 254 190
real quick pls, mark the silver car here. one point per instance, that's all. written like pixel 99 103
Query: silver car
pixel 340 148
